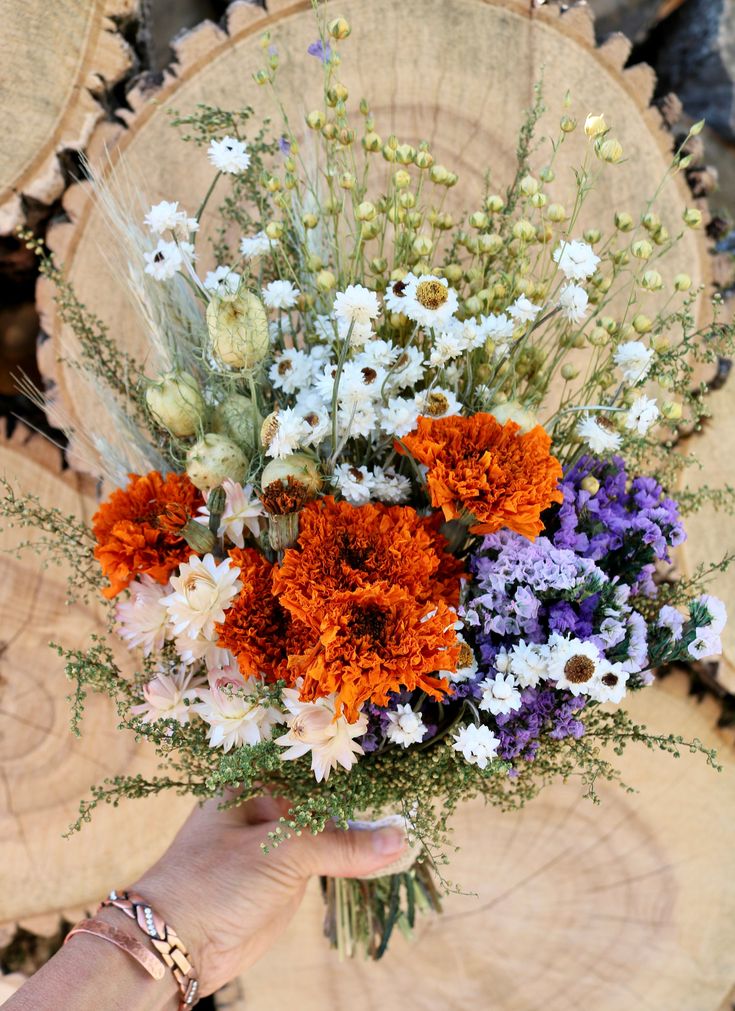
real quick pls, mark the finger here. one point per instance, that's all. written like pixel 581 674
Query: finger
pixel 340 854
pixel 267 808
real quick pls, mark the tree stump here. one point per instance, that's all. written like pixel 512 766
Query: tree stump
pixel 478 62
pixel 44 770
pixel 624 905
pixel 57 59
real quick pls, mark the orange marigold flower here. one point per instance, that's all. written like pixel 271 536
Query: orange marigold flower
pixel 138 528
pixel 257 629
pixel 487 470
pixel 375 640
pixel 342 547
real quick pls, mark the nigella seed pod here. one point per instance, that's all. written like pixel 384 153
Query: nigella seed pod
pixel 175 403
pixel 238 419
pixel 212 459
pixel 238 330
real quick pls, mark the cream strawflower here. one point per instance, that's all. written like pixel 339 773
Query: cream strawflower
pixel 191 651
pixel 229 155
pixel 500 694
pixel 573 303
pixel 405 727
pixel 236 717
pixel 574 664
pixel 356 304
pixel 523 310
pixel 287 431
pixel 437 403
pixel 165 260
pixel 242 510
pixel 224 282
pixel 165 217
pixel 716 610
pixel 395 294
pixel 168 697
pixel 634 360
pixel 576 259
pixel 390 487
pixel 255 245
pixel 355 484
pixel 466 663
pixel 399 417
pixel 598 436
pixel 642 414
pixel 527 662
pixel 429 301
pixel 312 727
pixel 280 295
pixel 477 744
pixel 291 371
pixel 203 590
pixel 142 620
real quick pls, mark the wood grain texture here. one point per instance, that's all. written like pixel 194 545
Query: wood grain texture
pixel 461 77
pixel 55 59
pixel 44 770
pixel 630 904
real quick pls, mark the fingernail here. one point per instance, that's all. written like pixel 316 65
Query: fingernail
pixel 388 840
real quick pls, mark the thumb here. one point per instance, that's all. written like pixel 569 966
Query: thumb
pixel 345 854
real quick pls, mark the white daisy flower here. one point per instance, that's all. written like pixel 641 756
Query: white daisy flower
pixel 610 683
pixel 169 697
pixel 573 303
pixel 289 432
pixel 527 662
pixel 203 590
pixel 671 619
pixel 360 384
pixel 142 619
pixel 280 295
pixel 429 301
pixel 390 487
pixel 408 370
pixel 438 403
pixel 406 727
pixel 394 296
pixel 523 310
pixel 291 371
pixel 234 713
pixel 165 260
pixel 399 417
pixel 576 259
pixel 466 663
pixel 313 727
pixel 229 155
pixel 242 509
pixel 357 421
pixel 356 304
pixel 642 414
pixel 312 409
pixel 500 694
pixel 255 245
pixel 378 354
pixel 477 744
pixel 355 484
pixel 223 282
pixel 598 437
pixel 634 360
pixel 573 664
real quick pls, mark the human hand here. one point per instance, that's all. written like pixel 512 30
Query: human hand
pixel 228 900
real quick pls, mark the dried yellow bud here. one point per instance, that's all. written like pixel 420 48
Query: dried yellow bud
pixel 366 211
pixel 671 410
pixel 623 221
pixel 238 330
pixel 652 280
pixel 424 159
pixel 325 280
pixel 595 125
pixel 453 272
pixel 556 212
pixel 651 222
pixel 479 219
pixel 175 402
pixel 598 336
pixel 405 154
pixel 524 230
pixel 528 186
pixel 642 323
pixel 609 150
pixel 212 459
pixel 567 124
pixel 592 235
pixel 682 282
pixel 539 200
pixel 569 371
pixel 590 484
pixel 315 119
pixel 438 174
pixel 309 220
pixel 371 141
pixel 660 342
pixel 494 203
pixel 642 249
pixel 347 181
pixel 401 179
pixel 422 245
pixel 274 230
pixel 692 217
pixel 339 28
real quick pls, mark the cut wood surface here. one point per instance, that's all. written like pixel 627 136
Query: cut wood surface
pixel 44 770
pixel 626 905
pixel 55 58
pixel 459 73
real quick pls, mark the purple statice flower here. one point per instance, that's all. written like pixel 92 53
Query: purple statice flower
pixel 285 146
pixel 544 712
pixel 323 53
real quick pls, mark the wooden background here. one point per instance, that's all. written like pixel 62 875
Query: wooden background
pixel 630 904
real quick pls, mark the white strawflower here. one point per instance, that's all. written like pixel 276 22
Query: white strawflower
pixel 359 333
pixel 191 651
pixel 429 301
pixel 634 360
pixel 394 296
pixel 610 683
pixel 716 609
pixel 642 414
pixel 399 417
pixel 165 217
pixel 576 259
pixel 500 694
pixel 477 744
pixel 168 697
pixel 671 619
pixel 355 484
pixel 223 281
pixel 573 303
pixel 325 328
pixel 523 310
pixel 406 727
pixel 165 260
pixel 448 345
pixel 234 713
pixel 408 370
pixel 315 413
pixel 360 384
pixel 142 619
pixel 255 245
pixel 498 327
pixel 390 487
pixel 313 727
pixel 378 354
pixel 598 437
pixel 574 664
pixel 203 590
pixel 527 662
pixel 287 432
pixel 242 510
pixel 291 371
pixel 361 420
pixel 229 155
pixel 356 304
pixel 280 295
pixel 438 403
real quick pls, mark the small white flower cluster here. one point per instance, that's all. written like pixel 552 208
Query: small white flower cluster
pixel 169 256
